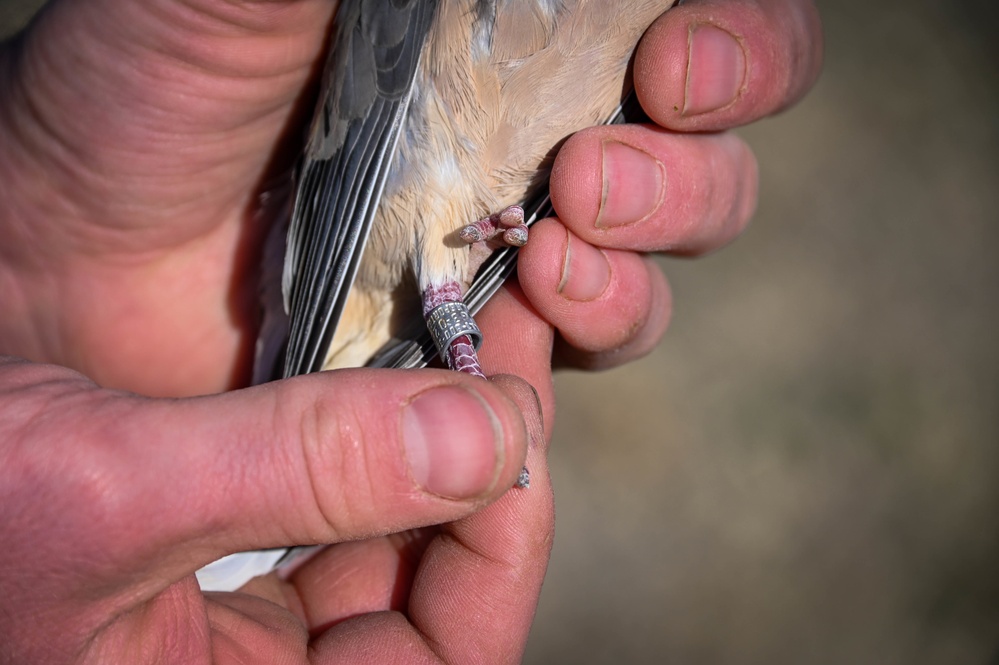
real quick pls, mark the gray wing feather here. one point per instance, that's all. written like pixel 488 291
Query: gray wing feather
pixel 365 93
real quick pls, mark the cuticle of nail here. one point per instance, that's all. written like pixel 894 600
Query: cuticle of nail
pixel 541 414
pixel 662 189
pixel 565 263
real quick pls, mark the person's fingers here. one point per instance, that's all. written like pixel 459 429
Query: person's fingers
pixel 704 65
pixel 376 574
pixel 645 189
pixel 247 629
pixel 495 558
pixel 717 64
pixel 609 306
pixel 320 458
pixel 353 578
pixel 349 454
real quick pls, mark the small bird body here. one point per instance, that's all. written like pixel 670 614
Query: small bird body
pixel 435 121
pixel 485 91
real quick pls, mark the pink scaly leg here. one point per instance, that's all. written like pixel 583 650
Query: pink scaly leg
pixel 506 227
pixel 463 358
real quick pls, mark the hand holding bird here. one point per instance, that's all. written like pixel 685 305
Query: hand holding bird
pixel 136 141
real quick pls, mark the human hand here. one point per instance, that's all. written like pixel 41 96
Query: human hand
pixel 143 152
pixel 109 502
pixel 178 276
pixel 125 264
pixel 681 186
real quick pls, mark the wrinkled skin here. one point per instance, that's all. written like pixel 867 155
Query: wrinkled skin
pixel 137 141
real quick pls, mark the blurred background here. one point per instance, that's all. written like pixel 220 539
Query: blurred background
pixel 807 469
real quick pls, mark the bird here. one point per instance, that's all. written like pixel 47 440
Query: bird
pixel 427 156
pixel 436 121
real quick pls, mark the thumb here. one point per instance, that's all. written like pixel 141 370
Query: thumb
pixel 346 449
pixel 153 489
pixel 322 458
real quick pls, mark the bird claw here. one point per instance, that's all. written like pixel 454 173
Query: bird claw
pixel 516 236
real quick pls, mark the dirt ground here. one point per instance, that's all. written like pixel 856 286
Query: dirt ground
pixel 806 470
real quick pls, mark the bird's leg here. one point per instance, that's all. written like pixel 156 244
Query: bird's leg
pixel 449 320
pixel 452 327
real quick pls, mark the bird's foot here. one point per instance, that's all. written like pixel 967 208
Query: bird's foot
pixel 506 227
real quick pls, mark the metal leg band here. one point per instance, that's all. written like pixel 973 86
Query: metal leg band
pixel 449 321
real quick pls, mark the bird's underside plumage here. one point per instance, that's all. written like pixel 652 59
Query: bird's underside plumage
pixel 433 115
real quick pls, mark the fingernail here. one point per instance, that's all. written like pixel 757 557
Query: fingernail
pixel 585 271
pixel 453 442
pixel 634 184
pixel 716 69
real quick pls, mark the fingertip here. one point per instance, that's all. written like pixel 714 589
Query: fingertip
pixel 577 178
pixel 660 69
pixel 621 311
pixel 644 329
pixel 540 266
pixel 469 442
pixel 603 322
pixel 607 178
pixel 426 433
pixel 711 64
pixel 716 69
